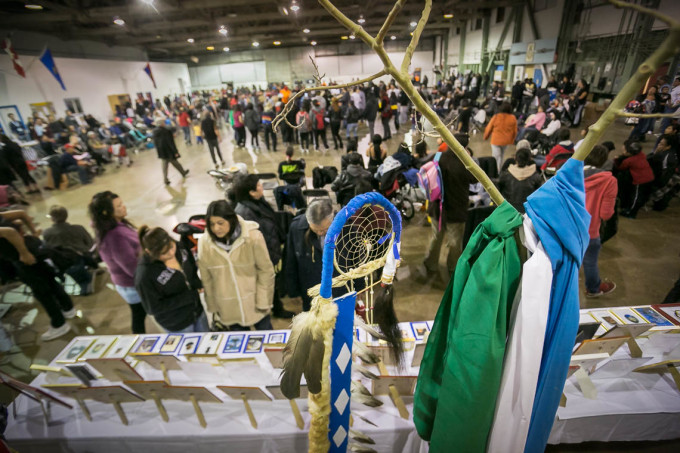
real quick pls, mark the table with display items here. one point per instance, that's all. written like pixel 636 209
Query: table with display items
pixel 628 406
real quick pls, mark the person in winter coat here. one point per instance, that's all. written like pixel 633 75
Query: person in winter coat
pixel 601 189
pixel 304 247
pixel 239 126
pixel 268 116
pixel 251 205
pixel 15 159
pixel 635 178
pixel 252 122
pixel 346 181
pixel 167 150
pixel 167 281
pixel 502 129
pixel 210 132
pixel 304 122
pixel 318 116
pixel 237 273
pixel 564 146
pixel 520 179
pixel 118 245
pixel 335 119
pixel 370 112
pixel 352 119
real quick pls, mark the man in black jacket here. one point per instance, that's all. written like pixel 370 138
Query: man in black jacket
pixel 167 150
pixel 456 181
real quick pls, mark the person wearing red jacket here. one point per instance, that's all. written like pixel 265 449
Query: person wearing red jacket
pixel 564 146
pixel 635 178
pixel 184 120
pixel 601 188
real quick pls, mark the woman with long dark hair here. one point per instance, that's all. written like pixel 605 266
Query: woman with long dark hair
pixel 119 248
pixel 237 274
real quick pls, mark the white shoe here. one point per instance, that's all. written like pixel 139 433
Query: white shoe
pixel 54 333
pixel 69 314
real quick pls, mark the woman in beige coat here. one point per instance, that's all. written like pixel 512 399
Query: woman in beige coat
pixel 237 274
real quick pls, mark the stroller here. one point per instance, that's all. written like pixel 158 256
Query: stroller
pixel 397 186
pixel 224 179
pixel 190 231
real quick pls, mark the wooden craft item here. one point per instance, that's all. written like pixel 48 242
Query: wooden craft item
pixel 51 369
pixel 667 366
pixel 121 347
pixel 587 361
pixel 98 348
pixel 210 344
pixel 600 345
pixel 113 394
pixel 75 350
pixel 275 390
pixel 275 355
pixel 150 390
pixel 212 359
pixel 115 369
pixel 395 387
pixel 245 394
pixel 631 331
pixel 159 362
pixel 418 355
pixel 31 392
pixel 193 395
pixel 586 384
pixel 71 391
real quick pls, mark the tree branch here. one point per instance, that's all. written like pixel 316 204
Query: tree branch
pixel 380 37
pixel 621 113
pixel 668 48
pixel 416 36
pixel 291 102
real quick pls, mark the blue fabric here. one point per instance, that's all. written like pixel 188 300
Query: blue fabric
pixel 561 220
pixel 129 294
pixel 47 59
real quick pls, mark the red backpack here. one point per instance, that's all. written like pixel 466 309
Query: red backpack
pixel 319 119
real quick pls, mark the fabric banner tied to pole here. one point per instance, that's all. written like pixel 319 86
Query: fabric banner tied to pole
pixel 9 48
pixel 147 69
pixel 47 59
pixel 558 213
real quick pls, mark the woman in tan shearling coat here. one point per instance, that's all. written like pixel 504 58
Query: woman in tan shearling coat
pixel 236 271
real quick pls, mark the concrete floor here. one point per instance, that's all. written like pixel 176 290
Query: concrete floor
pixel 642 259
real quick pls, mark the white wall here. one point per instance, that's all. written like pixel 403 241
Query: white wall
pixel 90 80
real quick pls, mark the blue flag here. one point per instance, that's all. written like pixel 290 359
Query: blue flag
pixel 47 59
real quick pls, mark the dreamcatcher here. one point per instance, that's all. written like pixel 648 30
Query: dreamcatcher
pixel 364 237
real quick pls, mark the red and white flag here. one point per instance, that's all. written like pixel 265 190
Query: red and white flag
pixel 7 47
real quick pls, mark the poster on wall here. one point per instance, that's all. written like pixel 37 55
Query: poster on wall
pixel 12 124
pixel 519 74
pixel 42 109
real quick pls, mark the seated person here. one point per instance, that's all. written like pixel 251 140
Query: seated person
pixel 534 123
pixel 351 148
pixel 422 156
pixel 68 163
pixel 344 184
pixel 553 119
pixel 96 146
pixel 403 155
pixel 292 171
pixel 464 116
pixel 76 239
pixel 663 161
pixel 635 178
pixel 564 146
pixel 520 179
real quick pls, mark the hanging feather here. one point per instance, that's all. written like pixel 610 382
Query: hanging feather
pixel 386 318
pixel 365 372
pixel 360 437
pixel 358 322
pixel 362 418
pixel 361 395
pixel 358 448
pixel 364 353
pixel 303 353
pixel 358 387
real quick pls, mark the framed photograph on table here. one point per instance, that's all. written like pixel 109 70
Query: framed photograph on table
pixel 121 347
pixel 627 316
pixel 670 312
pixel 189 344
pixel 75 350
pixel 171 343
pixel 653 316
pixel 147 344
pixel 210 344
pixel 234 343
pixel 277 338
pixel 98 348
pixel 420 330
pixel 605 318
pixel 254 344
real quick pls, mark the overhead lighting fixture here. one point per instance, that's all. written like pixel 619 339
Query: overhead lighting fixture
pixel 256 44
pixel 294 6
pixel 313 43
pixel 448 16
pixel 393 37
pixel 210 48
pixel 361 19
pixel 223 30
pixel 344 37
pixel 226 49
pixel 284 10
pixel 277 43
pixel 351 36
pixel 33 6
pixel 148 2
pixel 413 24
pixel 190 40
pixel 306 30
pixel 158 36
pixel 118 21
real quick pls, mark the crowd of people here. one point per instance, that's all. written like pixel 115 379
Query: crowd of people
pixel 251 256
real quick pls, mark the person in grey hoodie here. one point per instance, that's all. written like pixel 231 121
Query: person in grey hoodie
pixel 520 179
pixel 346 181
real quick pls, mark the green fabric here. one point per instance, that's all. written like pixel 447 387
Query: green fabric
pixel 460 374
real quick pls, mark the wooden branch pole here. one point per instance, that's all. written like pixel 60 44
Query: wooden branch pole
pixel 634 348
pixel 166 378
pixel 668 48
pixel 159 406
pixel 674 374
pixel 251 416
pixel 382 368
pixel 120 411
pixel 296 413
pixel 398 402
pixel 83 407
pixel 199 412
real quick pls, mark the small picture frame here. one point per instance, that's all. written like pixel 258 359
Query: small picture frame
pixel 627 316
pixel 420 330
pixel 670 312
pixel 77 348
pixel 171 343
pixel 605 318
pixel 189 344
pixel 147 344
pixel 234 343
pixel 98 348
pixel 653 316
pixel 121 347
pixel 277 338
pixel 254 344
pixel 210 344
pixel 82 372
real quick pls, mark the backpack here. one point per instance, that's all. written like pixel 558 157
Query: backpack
pixel 319 120
pixel 430 181
pixel 302 120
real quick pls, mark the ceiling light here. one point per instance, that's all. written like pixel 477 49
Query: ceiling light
pixel 223 30
pixel 294 6
pixel 256 44
pixel 284 10
pixel 411 33
pixel 413 24
pixel 448 16
pixel 210 48
pixel 33 6
pixel 393 37
pixel 190 40
pixel 277 43
pixel 158 36
pixel 118 21
pixel 351 36
pixel 313 43
pixel 194 59
pixel 226 49
pixel 306 30
pixel 344 37
pixel 361 19
pixel 148 2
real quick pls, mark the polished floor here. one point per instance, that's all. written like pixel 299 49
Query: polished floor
pixel 643 259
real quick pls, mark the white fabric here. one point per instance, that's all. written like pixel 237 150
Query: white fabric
pixel 525 348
